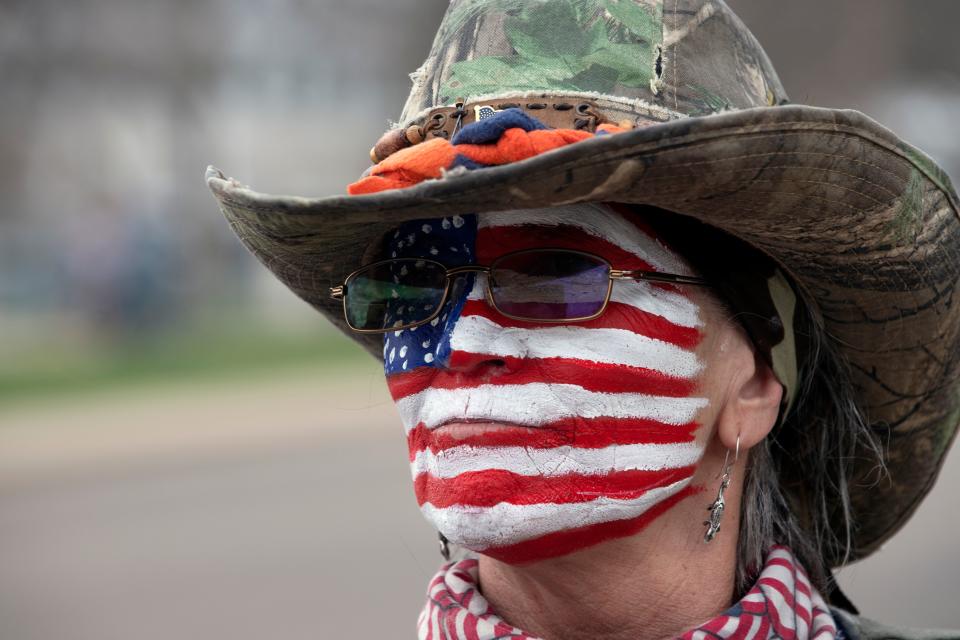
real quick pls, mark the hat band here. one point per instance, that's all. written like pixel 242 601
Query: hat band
pixel 555 112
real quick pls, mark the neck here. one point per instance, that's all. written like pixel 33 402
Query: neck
pixel 656 584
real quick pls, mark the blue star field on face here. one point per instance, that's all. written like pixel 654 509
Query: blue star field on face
pixel 451 241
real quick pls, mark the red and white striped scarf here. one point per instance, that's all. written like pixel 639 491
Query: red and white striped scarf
pixel 782 604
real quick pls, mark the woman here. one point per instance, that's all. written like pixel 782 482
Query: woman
pixel 643 425
pixel 557 448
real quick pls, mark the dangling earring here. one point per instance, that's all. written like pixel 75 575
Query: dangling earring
pixel 444 546
pixel 717 506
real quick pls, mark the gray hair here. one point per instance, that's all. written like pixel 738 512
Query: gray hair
pixel 816 447
pixel 796 490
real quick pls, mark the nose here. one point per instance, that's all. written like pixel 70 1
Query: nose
pixel 474 338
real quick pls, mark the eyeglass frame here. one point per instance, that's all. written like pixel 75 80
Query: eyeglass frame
pixel 637 275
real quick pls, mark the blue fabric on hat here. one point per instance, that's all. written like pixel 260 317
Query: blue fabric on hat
pixel 490 129
pixel 463 161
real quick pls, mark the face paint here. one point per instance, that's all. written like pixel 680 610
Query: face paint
pixel 532 440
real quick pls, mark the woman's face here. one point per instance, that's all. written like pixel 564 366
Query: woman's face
pixel 529 440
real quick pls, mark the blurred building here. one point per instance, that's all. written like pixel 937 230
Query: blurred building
pixel 112 109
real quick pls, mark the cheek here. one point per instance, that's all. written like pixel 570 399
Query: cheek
pixel 410 349
pixel 607 438
pixel 717 351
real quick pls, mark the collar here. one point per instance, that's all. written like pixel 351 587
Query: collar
pixel 781 604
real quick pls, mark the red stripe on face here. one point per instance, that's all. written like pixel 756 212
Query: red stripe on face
pixel 494 486
pixel 570 540
pixel 616 316
pixel 584 433
pixel 493 242
pixel 592 376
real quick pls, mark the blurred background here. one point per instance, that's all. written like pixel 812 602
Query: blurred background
pixel 186 449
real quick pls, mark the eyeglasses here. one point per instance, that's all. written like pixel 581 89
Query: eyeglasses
pixel 534 285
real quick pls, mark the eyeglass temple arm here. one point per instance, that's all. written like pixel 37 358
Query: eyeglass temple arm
pixel 653 276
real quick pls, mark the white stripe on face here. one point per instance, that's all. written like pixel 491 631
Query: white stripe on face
pixel 557 461
pixel 675 307
pixel 479 529
pixel 537 404
pixel 475 334
pixel 599 221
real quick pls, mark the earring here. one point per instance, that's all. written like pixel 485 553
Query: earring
pixel 717 506
pixel 444 546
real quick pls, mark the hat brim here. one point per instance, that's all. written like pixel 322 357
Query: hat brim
pixel 866 225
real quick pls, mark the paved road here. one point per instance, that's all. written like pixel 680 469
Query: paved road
pixel 274 508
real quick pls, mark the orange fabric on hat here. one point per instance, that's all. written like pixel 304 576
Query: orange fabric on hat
pixel 427 160
pixel 407 167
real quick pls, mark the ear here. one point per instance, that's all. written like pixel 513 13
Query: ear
pixel 752 405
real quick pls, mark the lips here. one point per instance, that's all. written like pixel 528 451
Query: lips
pixel 465 428
pixel 473 430
pixel 484 434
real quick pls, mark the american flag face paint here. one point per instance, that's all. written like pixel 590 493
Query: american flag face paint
pixel 532 440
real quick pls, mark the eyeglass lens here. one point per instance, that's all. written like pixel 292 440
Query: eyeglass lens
pixel 549 285
pixel 393 294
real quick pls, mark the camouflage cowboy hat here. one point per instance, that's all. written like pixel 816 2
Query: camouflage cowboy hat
pixel 866 226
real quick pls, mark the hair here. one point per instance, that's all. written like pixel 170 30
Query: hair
pixel 796 490
pixel 811 454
